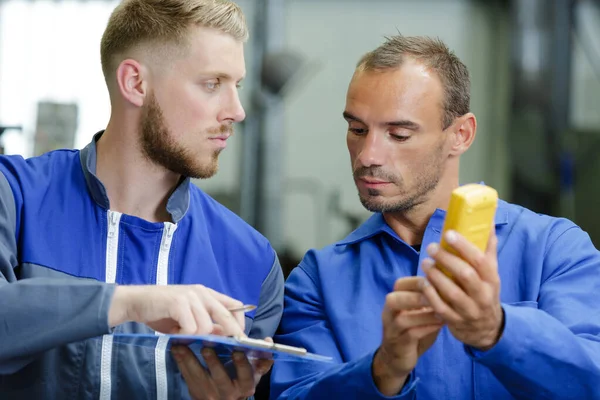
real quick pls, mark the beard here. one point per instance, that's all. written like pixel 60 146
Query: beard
pixel 426 180
pixel 161 149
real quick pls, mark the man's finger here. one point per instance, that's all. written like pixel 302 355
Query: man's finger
pixel 229 303
pixel 217 370
pixel 421 331
pixel 204 323
pixel 261 367
pixel 472 255
pixel 185 318
pixel 241 320
pixel 217 330
pixel 441 308
pixel 462 273
pixel 220 378
pixel 452 294
pixel 490 274
pixel 418 311
pixel 458 242
pixel 245 374
pixel 411 284
pixel 197 379
pixel 405 322
pixel 402 300
pixel 223 317
pixel 492 244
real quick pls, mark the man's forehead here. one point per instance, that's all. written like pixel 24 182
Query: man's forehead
pixel 409 82
pixel 409 75
pixel 376 97
pixel 217 52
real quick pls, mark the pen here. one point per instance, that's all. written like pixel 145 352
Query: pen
pixel 245 308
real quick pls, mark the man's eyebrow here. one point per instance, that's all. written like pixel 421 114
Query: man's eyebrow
pixel 350 117
pixel 403 123
pixel 222 75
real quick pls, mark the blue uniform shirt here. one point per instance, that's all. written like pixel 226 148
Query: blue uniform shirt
pixel 550 293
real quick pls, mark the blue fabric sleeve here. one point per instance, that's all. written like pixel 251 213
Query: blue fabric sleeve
pixel 270 305
pixel 552 349
pixel 41 313
pixel 304 324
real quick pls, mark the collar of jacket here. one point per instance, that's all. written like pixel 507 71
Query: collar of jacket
pixel 376 224
pixel 177 205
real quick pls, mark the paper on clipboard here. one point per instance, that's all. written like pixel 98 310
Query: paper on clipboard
pixel 224 346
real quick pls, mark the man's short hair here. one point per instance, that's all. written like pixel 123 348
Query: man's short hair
pixel 436 56
pixel 134 23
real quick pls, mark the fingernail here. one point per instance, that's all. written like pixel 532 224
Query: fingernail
pixel 451 237
pixel 177 353
pixel 433 248
pixel 426 264
pixel 238 356
pixel 207 354
pixel 424 283
pixel 424 301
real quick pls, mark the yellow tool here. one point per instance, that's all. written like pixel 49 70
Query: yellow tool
pixel 470 213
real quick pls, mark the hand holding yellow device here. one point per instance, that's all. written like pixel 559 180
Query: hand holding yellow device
pixel 470 213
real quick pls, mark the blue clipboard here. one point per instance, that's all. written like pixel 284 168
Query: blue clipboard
pixel 223 346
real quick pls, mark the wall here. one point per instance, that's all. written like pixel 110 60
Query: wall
pixel 50 50
pixel 334 34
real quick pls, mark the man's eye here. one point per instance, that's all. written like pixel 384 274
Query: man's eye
pixel 400 138
pixel 212 85
pixel 358 131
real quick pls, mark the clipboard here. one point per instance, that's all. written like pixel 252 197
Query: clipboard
pixel 223 346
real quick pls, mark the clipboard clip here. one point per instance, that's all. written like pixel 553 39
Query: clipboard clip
pixel 271 346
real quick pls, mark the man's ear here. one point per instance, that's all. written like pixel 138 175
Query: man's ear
pixel 464 130
pixel 132 81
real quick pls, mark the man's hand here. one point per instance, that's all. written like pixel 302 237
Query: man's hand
pixel 470 304
pixel 216 383
pixel 409 329
pixel 177 309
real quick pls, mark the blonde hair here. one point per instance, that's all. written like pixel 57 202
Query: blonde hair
pixel 165 22
pixel 435 55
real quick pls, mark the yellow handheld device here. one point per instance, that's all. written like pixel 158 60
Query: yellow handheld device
pixel 471 213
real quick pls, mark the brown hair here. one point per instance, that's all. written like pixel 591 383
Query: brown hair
pixel 435 55
pixel 137 22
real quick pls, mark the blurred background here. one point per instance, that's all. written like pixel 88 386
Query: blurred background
pixel 535 71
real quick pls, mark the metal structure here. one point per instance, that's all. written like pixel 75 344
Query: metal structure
pixel 273 68
pixel 542 165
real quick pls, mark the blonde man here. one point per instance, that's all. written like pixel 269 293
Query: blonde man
pixel 115 237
